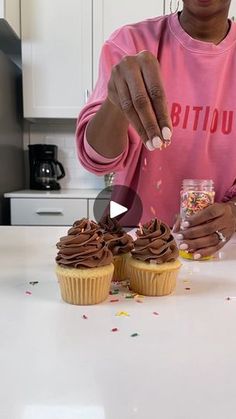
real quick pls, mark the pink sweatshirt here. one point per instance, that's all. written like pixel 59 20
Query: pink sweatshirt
pixel 200 84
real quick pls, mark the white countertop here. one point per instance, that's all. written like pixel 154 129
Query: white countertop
pixel 63 193
pixel 56 365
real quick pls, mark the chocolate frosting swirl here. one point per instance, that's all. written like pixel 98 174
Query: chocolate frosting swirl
pixel 83 247
pixel 118 241
pixel 155 243
pixel 83 224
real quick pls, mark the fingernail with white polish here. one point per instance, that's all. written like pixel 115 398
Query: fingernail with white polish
pixel 185 224
pixel 149 145
pixel 166 133
pixel 179 236
pixel 183 246
pixel 157 143
pixel 197 256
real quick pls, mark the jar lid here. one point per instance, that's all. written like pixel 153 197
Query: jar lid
pixel 198 182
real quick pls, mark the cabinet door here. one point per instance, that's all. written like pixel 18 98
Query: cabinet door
pixel 43 211
pixel 99 210
pixel 111 14
pixel 57 56
pixel 10 11
pixel 232 10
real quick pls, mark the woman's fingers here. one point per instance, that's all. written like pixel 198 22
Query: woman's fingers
pixel 126 105
pixel 143 107
pixel 212 212
pixel 136 87
pixel 152 77
pixel 212 240
pixel 207 251
pixel 203 230
pixel 208 231
pixel 136 105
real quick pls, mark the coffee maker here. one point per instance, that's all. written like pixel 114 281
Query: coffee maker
pixel 45 169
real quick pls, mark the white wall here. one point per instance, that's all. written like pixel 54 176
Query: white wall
pixel 62 134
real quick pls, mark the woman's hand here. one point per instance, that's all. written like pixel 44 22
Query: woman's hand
pixel 136 88
pixel 200 233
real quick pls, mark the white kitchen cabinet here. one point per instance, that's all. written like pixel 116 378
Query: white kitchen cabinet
pixel 232 10
pixel 10 12
pixel 63 207
pixel 109 15
pixel 56 56
pixel 61 43
pixel 100 208
pixel 36 211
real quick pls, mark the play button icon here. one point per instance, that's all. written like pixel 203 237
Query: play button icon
pixel 121 203
pixel 116 209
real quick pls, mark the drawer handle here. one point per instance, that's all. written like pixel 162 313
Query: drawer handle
pixel 49 212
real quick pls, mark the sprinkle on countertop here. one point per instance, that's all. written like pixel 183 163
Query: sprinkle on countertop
pixel 28 292
pixel 155 313
pixel 114 292
pixel 33 282
pixel 122 314
pixel 84 317
pixel 134 335
pixel 115 329
pixel 138 298
pixel 114 300
pixel 130 296
pixel 188 289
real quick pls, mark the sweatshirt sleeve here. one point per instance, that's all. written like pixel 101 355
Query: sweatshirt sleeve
pixel 111 54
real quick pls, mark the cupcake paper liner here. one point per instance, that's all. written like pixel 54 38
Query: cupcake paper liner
pixel 120 263
pixel 153 280
pixel 85 286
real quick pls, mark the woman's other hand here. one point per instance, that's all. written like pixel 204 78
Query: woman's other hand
pixel 206 232
pixel 136 88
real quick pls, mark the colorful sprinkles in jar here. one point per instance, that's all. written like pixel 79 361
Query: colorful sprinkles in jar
pixel 195 196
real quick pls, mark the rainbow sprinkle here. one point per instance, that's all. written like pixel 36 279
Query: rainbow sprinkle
pixel 153 211
pixel 122 314
pixel 193 201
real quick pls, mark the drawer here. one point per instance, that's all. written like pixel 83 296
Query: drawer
pixel 101 203
pixel 56 212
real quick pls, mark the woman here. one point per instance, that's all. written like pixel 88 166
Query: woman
pixel 163 110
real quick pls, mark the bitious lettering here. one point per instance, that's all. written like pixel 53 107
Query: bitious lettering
pixel 203 118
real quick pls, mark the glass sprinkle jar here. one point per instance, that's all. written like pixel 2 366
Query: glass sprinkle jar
pixel 195 195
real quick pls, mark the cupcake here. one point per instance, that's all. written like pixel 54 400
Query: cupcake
pixel 119 243
pixel 153 266
pixel 84 264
